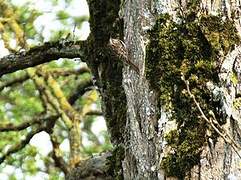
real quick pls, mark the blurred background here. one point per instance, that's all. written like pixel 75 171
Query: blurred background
pixel 28 99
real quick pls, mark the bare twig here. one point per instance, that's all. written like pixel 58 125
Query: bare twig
pixel 94 113
pixel 213 122
pixel 82 87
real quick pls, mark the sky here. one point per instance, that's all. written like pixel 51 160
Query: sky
pixel 48 23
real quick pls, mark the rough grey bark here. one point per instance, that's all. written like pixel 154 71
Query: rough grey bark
pixel 132 112
pixel 142 153
pixel 219 160
pixel 95 168
pixel 144 137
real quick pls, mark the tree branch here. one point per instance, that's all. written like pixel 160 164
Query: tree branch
pixel 24 125
pixel 80 90
pixel 17 147
pixel 95 113
pixel 67 72
pixel 14 80
pixel 55 72
pixel 57 155
pixel 41 54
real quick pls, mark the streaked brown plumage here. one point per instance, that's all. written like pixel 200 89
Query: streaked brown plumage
pixel 120 50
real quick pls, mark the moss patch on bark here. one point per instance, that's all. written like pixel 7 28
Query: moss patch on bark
pixel 193 47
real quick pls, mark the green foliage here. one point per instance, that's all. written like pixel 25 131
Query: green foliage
pixel 26 18
pixel 22 100
pixel 62 15
pixel 81 19
pixel 191 47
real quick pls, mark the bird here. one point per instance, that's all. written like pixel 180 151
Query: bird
pixel 120 50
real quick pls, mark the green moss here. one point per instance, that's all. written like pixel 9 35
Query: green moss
pixel 193 48
pixel 115 163
pixel 237 103
pixel 186 148
pixel 221 34
pixel 234 78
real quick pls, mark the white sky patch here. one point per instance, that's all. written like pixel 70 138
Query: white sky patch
pixel 64 146
pixel 39 162
pixel 85 30
pixel 42 142
pixel 32 42
pixel 82 9
pixel 3 51
pixel 99 125
pixel 4 176
pixel 19 2
pixel 39 176
pixel 8 169
pixel 46 27
pixel 85 140
pixel 13 43
pixel 42 5
pixel 48 23
pixel 93 106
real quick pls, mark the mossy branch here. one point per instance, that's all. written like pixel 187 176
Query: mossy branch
pixel 41 85
pixel 19 79
pixel 57 155
pixel 54 72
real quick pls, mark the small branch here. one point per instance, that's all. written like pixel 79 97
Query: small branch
pixel 94 113
pixel 41 54
pixel 57 155
pixel 14 80
pixel 55 72
pixel 67 72
pixel 213 122
pixel 80 90
pixel 17 147
pixel 22 126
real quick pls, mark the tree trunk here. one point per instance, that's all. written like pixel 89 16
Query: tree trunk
pixel 179 117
